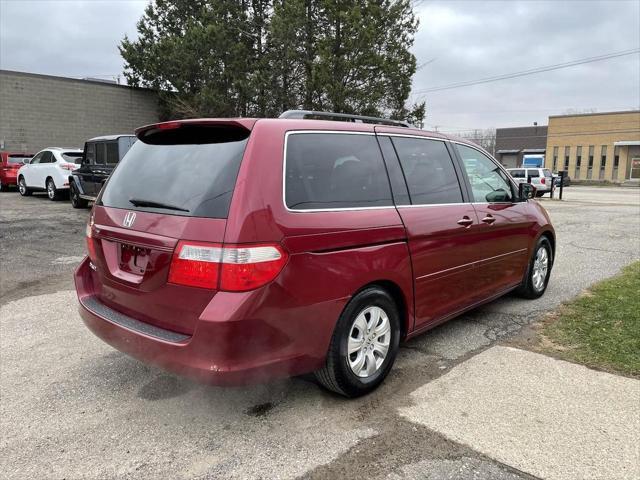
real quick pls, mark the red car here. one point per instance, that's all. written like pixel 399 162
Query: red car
pixel 10 163
pixel 286 246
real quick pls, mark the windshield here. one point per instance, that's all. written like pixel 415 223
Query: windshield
pixel 18 159
pixel 186 179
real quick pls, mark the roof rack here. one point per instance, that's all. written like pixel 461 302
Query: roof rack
pixel 341 117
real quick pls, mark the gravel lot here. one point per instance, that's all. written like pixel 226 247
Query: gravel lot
pixel 72 407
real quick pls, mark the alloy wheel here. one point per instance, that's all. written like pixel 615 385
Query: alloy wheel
pixel 540 268
pixel 368 343
pixel 22 186
pixel 51 189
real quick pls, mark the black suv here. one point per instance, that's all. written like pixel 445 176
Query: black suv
pixel 101 155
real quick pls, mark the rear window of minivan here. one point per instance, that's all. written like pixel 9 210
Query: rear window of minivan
pixel 191 179
pixel 335 170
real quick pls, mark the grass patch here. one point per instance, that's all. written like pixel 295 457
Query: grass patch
pixel 601 328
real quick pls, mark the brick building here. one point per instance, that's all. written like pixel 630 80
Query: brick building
pixel 513 143
pixel 38 111
pixel 596 146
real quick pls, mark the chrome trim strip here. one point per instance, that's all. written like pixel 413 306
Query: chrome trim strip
pixel 477 262
pixel 434 205
pixel 407 135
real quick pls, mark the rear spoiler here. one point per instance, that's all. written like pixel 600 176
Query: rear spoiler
pixel 203 130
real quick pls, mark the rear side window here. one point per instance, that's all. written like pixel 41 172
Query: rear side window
pixel 334 170
pixel 190 179
pixel 517 173
pixel 112 153
pixel 101 153
pixel 429 171
pixel 533 173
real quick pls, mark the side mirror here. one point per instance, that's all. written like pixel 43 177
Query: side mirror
pixel 526 191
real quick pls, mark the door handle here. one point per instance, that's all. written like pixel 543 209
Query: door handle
pixel 465 221
pixel 489 219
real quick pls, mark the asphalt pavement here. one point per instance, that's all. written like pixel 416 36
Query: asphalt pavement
pixel 72 407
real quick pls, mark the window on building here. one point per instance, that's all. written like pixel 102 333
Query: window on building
pixel 603 156
pixel 591 152
pixel 555 159
pixel 567 151
pixel 616 157
pixel 578 156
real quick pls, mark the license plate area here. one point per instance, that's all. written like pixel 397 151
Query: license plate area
pixel 133 259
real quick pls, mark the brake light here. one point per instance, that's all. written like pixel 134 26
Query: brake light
pixel 69 166
pixel 543 180
pixel 91 241
pixel 168 125
pixel 232 268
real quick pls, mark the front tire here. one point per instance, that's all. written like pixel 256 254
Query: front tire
pixel 364 345
pixel 76 201
pixel 22 188
pixel 52 192
pixel 537 276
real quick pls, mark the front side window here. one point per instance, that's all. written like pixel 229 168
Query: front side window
pixel 37 159
pixel 333 170
pixel 90 155
pixel 428 169
pixel 47 157
pixel 489 183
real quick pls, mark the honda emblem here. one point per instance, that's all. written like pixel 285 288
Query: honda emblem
pixel 129 218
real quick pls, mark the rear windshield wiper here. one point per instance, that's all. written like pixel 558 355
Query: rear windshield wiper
pixel 150 203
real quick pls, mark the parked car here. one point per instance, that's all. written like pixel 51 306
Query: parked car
pixel 101 155
pixel 10 162
pixel 49 171
pixel 280 247
pixel 565 182
pixel 541 178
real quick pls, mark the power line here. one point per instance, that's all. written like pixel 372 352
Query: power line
pixel 531 71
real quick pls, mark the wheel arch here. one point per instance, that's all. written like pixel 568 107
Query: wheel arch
pixel 393 289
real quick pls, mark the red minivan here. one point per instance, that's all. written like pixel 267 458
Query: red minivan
pixel 285 246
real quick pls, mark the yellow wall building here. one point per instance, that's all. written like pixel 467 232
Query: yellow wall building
pixel 595 146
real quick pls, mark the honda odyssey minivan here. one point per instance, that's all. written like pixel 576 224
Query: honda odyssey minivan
pixel 294 245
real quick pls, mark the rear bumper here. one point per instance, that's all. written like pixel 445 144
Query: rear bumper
pixel 236 340
pixel 9 178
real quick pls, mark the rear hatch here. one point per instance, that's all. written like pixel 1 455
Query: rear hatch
pixel 175 184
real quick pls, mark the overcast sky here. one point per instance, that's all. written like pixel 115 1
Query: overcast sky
pixel 457 41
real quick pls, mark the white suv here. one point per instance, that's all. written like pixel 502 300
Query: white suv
pixel 49 170
pixel 541 178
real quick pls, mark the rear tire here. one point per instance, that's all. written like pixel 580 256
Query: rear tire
pixel 364 345
pixel 52 192
pixel 23 189
pixel 76 201
pixel 538 272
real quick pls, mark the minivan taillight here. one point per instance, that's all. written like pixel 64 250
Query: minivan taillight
pixel 91 242
pixel 542 181
pixel 232 268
